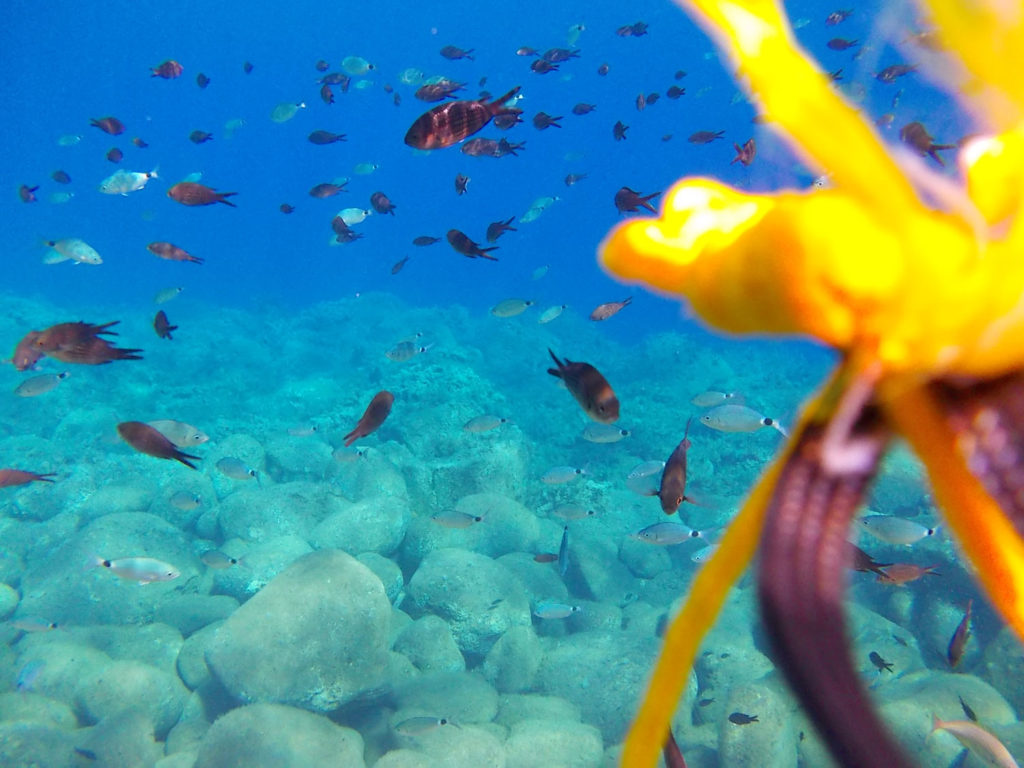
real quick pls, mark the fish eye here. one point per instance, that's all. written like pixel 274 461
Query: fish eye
pixel 679 499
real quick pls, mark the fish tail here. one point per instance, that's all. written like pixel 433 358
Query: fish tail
pixel 222 198
pixel 553 371
pixel 498 105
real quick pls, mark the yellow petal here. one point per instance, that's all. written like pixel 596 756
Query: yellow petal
pixel 994 168
pixel 797 96
pixel 988 539
pixel 988 37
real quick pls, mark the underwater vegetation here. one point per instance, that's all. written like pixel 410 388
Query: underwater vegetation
pixel 919 285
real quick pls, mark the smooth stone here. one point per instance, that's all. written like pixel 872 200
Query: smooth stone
pixel 190 613
pixel 131 686
pixel 263 562
pixel 542 743
pixel 124 739
pixel 8 600
pixel 429 645
pixel 768 743
pixel 512 663
pixel 28 743
pixel 516 707
pixel 372 525
pixel 191 663
pixel 388 572
pixel 32 707
pixel 462 697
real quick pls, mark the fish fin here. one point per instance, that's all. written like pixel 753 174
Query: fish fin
pixel 802 566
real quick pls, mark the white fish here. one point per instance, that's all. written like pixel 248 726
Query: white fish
pixel 353 215
pixel 404 351
pixel 33 625
pixel 646 469
pixel 73 249
pixel 416 726
pixel 162 297
pixel 712 398
pixel 895 530
pixel 236 469
pixel 572 512
pixel 365 169
pixel 454 519
pixel 539 272
pixel 644 485
pixel 69 140
pixel 511 307
pixel 286 110
pixel 122 182
pixel 548 610
pixel 185 501
pixel 60 197
pixel 703 554
pixel 346 454
pixel 411 76
pixel 214 558
pixel 141 569
pixel 39 385
pixel 537 208
pixel 484 423
pixel 604 433
pixel 574 34
pixel 551 313
pixel 666 534
pixel 230 127
pixel 194 177
pixel 303 430
pixel 178 432
pixel 356 65
pixel 738 418
pixel 982 743
pixel 557 475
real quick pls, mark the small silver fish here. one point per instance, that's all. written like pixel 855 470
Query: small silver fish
pixel 572 512
pixel 214 558
pixel 646 469
pixel 558 475
pixel 738 418
pixel 548 610
pixel 454 519
pixel 39 385
pixel 346 454
pixel 666 534
pixel 122 182
pixel 895 530
pixel 484 423
pixel 405 350
pixel 711 398
pixel 303 430
pixel 236 469
pixel 416 726
pixel 604 433
pixel 33 625
pixel 143 570
pixel 178 432
pixel 162 297
pixel 185 501
pixel 511 307
pixel 551 313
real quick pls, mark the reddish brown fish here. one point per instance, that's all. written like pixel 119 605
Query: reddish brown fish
pixel 326 189
pixel 672 491
pixel 325 137
pixel 169 70
pixel 629 200
pixel 452 52
pixel 79 343
pixel 326 95
pixel 497 228
pixel 27 352
pixel 491 148
pixel 163 326
pixel 12 477
pixel 115 155
pixel 450 123
pixel 438 91
pixel 461 183
pixel 958 642
pixel 381 203
pixel 863 562
pixel 192 193
pixel 171 252
pixel 95 351
pixel 110 125
pixel 916 136
pixel 619 130
pixel 899 574
pixel 543 120
pixel 145 439
pixel 27 193
pixel 705 137
pixel 461 243
pixel 343 232
pixel 606 310
pixel 372 417
pixel 591 390
pixel 745 154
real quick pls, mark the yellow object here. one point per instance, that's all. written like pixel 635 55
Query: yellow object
pixel 912 291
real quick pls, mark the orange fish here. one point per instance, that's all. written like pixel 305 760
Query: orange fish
pixel 958 642
pixel 192 193
pixel 604 311
pixel 171 252
pixel 591 390
pixel 672 491
pixel 145 439
pixel 450 123
pixel 899 574
pixel 374 415
pixel 12 477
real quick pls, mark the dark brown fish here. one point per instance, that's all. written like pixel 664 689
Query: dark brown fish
pixel 438 91
pixel 115 155
pixel 543 120
pixel 573 178
pixel 171 252
pixel 542 67
pixel 746 153
pixel 286 208
pixel 880 663
pixel 200 137
pixel 397 266
pixel 110 125
pixel 192 193
pixel 491 148
pixel 139 143
pixel 508 119
pixel 424 240
pixel 452 53
pixel 606 310
pixel 958 642
pixel 461 243
pixel 61 177
pixel 583 108
pixel 321 66
pixel 325 137
pixel 841 43
pixel 641 102
pixel 202 80
pixel 326 189
pixel 169 70
pixel 163 326
pixel 461 183
pixel 916 136
pixel 603 69
pixel 558 55
pixel 372 417
pixel 672 490
pixel 889 74
pixel 629 200
pixel 545 557
pixel 863 562
pixel 836 17
pixel 673 755
pixel 497 228
pixel 652 98
pixel 247 67
pixel 343 232
pixel 674 91
pixel 145 439
pixel 12 477
pixel 619 130
pixel 739 718
pixel 591 390
pixel 381 203
pixel 705 137
pixel 27 194
pixel 448 124
pixel 326 94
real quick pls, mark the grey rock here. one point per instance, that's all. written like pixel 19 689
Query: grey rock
pixel 512 663
pixel 131 686
pixel 429 645
pixel 191 662
pixel 542 743
pixel 190 613
pixel 768 743
pixel 388 572
pixel 371 525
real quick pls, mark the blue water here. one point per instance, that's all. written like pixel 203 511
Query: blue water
pixel 279 328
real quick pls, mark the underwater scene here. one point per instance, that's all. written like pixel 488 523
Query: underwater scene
pixel 334 432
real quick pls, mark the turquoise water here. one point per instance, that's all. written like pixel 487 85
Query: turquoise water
pixel 343 617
